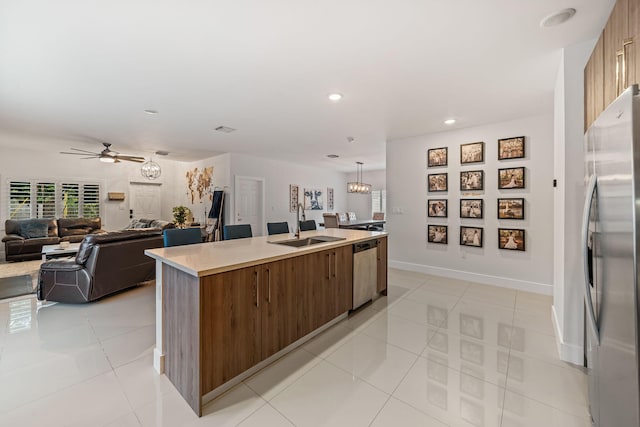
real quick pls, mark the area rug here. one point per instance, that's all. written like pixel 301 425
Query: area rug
pixel 18 278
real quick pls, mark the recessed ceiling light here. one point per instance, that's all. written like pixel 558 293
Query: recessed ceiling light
pixel 557 18
pixel 335 96
pixel 332 156
pixel 152 112
pixel 225 129
pixel 162 153
pixel 449 121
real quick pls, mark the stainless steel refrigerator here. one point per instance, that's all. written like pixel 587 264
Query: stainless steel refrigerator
pixel 611 242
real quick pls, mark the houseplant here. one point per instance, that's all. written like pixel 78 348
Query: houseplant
pixel 180 215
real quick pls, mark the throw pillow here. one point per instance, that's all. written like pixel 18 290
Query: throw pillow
pixel 34 230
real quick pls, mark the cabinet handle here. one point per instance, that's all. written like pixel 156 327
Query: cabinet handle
pixel 625 71
pixel 619 71
pixel 269 285
pixel 335 264
pixel 328 266
pixel 257 289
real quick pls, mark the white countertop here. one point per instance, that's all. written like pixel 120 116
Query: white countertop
pixel 216 257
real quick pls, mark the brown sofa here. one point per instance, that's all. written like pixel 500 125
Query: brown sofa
pixel 106 263
pixel 25 237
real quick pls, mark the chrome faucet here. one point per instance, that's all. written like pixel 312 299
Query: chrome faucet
pixel 297 235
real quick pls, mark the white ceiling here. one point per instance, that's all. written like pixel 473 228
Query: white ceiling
pixel 86 69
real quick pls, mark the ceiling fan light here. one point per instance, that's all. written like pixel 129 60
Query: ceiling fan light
pixel 107 159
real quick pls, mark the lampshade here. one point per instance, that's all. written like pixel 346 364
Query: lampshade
pixel 358 186
pixel 150 170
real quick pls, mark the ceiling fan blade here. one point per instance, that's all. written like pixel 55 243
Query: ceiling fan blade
pixel 84 151
pixel 130 158
pixel 92 157
pixel 77 154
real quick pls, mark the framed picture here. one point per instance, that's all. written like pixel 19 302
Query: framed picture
pixel 511 238
pixel 471 208
pixel 437 208
pixel 511 148
pixel 511 178
pixel 313 199
pixel 437 182
pixel 329 199
pixel 471 236
pixel 293 198
pixel 472 153
pixel 437 234
pixel 471 180
pixel 437 157
pixel 510 208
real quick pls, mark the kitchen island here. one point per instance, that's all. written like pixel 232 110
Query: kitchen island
pixel 226 309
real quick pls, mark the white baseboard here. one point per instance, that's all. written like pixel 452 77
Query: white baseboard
pixel 571 353
pixel 505 282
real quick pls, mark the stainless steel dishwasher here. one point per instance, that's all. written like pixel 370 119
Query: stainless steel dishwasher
pixel 365 272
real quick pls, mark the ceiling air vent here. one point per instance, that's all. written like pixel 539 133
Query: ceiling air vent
pixel 225 129
pixel 162 153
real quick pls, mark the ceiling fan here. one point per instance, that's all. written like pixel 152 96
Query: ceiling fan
pixel 107 155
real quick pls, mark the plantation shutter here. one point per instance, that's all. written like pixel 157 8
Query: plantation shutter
pixel 90 201
pixel 19 200
pixel 45 200
pixel 69 196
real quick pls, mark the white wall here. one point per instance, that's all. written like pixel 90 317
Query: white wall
pixel 221 180
pixel 569 197
pixel 361 203
pixel 278 175
pixel 407 213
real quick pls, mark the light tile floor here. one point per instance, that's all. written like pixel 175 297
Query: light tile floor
pixel 435 352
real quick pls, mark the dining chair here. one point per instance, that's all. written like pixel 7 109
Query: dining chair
pixel 378 216
pixel 308 225
pixel 330 220
pixel 237 231
pixel 343 217
pixel 181 236
pixel 352 216
pixel 277 227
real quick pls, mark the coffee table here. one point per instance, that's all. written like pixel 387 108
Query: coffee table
pixel 55 251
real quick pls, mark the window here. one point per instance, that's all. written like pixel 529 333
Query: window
pixel 378 201
pixel 53 199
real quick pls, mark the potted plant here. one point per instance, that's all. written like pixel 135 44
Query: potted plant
pixel 180 215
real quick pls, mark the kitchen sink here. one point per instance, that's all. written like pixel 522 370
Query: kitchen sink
pixel 308 241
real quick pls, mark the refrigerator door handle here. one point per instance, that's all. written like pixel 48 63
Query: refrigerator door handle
pixel 591 188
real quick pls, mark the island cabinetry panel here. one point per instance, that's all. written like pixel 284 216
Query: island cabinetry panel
pixel 181 317
pixel 382 265
pixel 230 325
pixel 326 286
pixel 279 306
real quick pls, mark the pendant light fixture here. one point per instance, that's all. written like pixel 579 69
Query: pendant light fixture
pixel 150 169
pixel 358 186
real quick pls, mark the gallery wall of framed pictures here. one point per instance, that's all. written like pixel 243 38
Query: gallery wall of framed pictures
pixel 511 179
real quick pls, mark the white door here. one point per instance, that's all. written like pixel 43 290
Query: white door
pixel 145 201
pixel 249 203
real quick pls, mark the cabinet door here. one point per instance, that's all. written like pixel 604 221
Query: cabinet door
pixel 278 304
pixel 230 325
pixel 615 33
pixel 342 274
pixel 313 277
pixel 382 265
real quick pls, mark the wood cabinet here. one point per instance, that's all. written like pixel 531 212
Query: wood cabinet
pixel 382 266
pixel 278 305
pixel 230 325
pixel 614 64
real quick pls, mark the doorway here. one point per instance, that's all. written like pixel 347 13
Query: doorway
pixel 145 200
pixel 249 203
